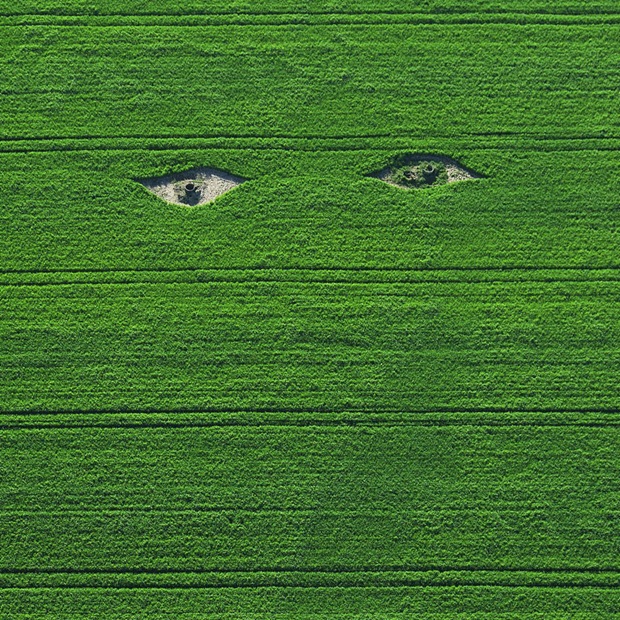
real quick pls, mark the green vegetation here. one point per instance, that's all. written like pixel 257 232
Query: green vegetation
pixel 425 80
pixel 286 346
pixel 309 498
pixel 81 210
pixel 368 602
pixel 319 396
pixel 170 7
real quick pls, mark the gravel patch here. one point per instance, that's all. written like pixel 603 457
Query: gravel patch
pixel 455 172
pixel 194 187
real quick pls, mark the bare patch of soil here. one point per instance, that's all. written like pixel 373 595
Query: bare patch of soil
pixel 454 172
pixel 192 188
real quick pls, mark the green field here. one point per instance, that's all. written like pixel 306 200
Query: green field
pixel 320 396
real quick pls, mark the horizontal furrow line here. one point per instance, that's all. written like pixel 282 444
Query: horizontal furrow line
pixel 445 12
pixel 569 145
pixel 124 420
pixel 311 578
pixel 195 136
pixel 312 281
pixel 399 583
pixel 331 22
pixel 312 269
pixel 458 423
pixel 322 137
pixel 581 570
pixel 105 511
pixel 323 411
pixel 307 19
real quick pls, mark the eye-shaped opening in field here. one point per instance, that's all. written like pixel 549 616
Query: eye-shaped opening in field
pixel 194 187
pixel 419 171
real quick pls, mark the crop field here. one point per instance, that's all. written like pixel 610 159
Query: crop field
pixel 320 395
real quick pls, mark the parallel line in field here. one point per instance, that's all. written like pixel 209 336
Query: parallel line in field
pixel 300 137
pixel 368 276
pixel 318 576
pixel 311 269
pixel 481 424
pixel 443 15
pixel 335 12
pixel 328 23
pixel 325 149
pixel 221 136
pixel 343 412
pixel 404 583
pixel 348 420
pixel 310 410
pixel 311 510
pixel 538 424
pixel 310 570
pixel 262 20
pixel 314 281
pixel 601 578
pixel 314 423
pixel 29 90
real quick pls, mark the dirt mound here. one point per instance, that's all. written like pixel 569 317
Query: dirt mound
pixel 421 171
pixel 194 187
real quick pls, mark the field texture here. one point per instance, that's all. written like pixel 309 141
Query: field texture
pixel 320 396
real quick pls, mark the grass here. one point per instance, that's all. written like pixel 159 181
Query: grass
pixel 169 7
pixel 297 346
pixel 342 80
pixel 310 210
pixel 320 395
pixel 366 602
pixel 310 499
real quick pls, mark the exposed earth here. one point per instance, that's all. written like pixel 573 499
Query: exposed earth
pixel 193 187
